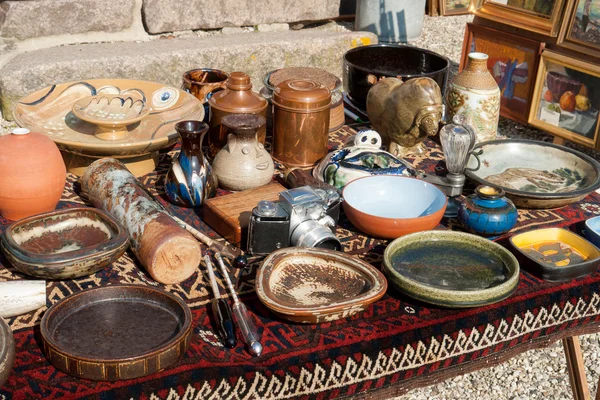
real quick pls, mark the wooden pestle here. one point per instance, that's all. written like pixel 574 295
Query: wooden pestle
pixel 167 251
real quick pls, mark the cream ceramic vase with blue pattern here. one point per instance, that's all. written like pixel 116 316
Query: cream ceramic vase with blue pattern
pixel 475 94
pixel 190 180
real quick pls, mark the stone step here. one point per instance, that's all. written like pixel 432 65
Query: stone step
pixel 167 59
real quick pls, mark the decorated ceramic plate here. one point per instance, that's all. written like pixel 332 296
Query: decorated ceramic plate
pixel 536 174
pixel 49 111
pixel 451 269
pixel 7 351
pixel 312 285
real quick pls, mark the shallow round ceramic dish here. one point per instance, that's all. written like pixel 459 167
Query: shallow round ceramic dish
pixel 64 244
pixel 389 206
pixel 365 65
pixel 536 174
pixel 7 351
pixel 116 332
pixel 592 230
pixel 451 269
pixel 111 113
pixel 310 285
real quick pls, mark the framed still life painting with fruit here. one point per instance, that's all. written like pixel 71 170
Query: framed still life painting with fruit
pixel 454 7
pixel 567 98
pixel 580 29
pixel 513 62
pixel 540 16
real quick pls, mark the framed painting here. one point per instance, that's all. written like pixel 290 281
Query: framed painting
pixel 580 30
pixel 454 7
pixel 540 16
pixel 432 7
pixel 513 62
pixel 566 99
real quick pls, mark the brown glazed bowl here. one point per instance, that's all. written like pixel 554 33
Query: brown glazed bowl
pixel 390 206
pixel 7 351
pixel 64 244
pixel 312 285
pixel 116 332
pixel 365 65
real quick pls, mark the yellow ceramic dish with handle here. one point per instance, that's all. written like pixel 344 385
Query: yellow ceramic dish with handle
pixel 555 254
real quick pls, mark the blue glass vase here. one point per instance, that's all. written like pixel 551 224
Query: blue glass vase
pixel 488 212
pixel 190 180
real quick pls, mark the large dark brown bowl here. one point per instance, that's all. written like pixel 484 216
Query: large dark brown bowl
pixel 116 332
pixel 64 244
pixel 364 66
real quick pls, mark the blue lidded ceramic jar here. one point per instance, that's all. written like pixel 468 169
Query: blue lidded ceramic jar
pixel 488 212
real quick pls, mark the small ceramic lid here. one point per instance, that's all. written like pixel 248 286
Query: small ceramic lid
pixel 238 97
pixel 302 95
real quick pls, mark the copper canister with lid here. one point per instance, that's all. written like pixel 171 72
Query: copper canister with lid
pixel 237 98
pixel 300 122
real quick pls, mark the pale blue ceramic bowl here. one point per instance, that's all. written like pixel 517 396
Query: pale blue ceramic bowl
pixel 592 230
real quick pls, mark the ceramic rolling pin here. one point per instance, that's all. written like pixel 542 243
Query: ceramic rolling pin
pixel 20 297
pixel 168 252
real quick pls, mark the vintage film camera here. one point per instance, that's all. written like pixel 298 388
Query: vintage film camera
pixel 303 217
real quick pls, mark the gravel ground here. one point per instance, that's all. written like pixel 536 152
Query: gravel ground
pixel 537 374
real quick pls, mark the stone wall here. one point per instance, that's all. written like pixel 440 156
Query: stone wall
pixel 43 42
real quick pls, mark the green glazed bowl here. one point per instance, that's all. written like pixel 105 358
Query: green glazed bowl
pixel 451 269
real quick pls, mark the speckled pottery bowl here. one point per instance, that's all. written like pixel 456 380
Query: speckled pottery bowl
pixel 451 269
pixel 310 285
pixel 64 244
pixel 389 206
pixel 535 174
pixel 7 351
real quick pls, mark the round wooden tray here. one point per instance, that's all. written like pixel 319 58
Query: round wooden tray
pixel 116 332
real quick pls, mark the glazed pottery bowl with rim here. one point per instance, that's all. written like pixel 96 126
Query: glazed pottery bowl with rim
pixel 592 230
pixel 535 174
pixel 451 269
pixel 555 254
pixel 116 332
pixel 64 244
pixel 389 206
pixel 111 113
pixel 365 65
pixel 311 285
pixel 7 351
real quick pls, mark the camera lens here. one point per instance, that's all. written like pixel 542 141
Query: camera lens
pixel 310 233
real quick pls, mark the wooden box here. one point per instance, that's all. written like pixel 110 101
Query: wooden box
pixel 229 215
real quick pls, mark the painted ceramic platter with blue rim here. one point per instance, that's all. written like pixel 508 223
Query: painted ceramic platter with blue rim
pixel 535 174
pixel 451 269
pixel 49 111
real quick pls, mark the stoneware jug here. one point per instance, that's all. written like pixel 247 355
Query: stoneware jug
pixel 488 212
pixel 243 163
pixel 32 174
pixel 475 93
pixel 190 180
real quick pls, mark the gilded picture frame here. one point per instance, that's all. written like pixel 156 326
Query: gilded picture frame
pixel 454 7
pixel 579 33
pixel 540 16
pixel 512 61
pixel 566 99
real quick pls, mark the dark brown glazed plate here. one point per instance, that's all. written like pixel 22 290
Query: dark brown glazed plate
pixel 116 332
pixel 312 285
pixel 7 351
pixel 64 244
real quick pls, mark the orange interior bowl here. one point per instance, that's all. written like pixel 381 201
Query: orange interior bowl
pixel 389 206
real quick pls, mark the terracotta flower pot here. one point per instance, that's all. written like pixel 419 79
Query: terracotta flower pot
pixel 32 174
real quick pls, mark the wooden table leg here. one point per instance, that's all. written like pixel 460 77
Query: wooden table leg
pixel 576 369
